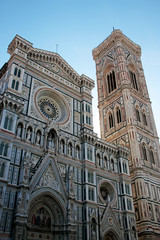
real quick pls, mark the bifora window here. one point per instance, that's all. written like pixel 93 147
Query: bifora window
pixel 133 80
pixel 110 120
pixel 118 112
pixel 144 153
pixel 15 84
pixel 111 80
pixel 138 115
pixel 144 119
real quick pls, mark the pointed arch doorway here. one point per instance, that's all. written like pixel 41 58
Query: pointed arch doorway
pixel 45 219
pixel 111 235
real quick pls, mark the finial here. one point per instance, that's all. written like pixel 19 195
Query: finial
pixel 56 48
pixel 113 28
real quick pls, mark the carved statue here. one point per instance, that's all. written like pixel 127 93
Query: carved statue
pixel 71 180
pixel 29 133
pixel 38 138
pixel 19 131
pixel 50 142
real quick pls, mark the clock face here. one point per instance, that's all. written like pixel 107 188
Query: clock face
pixel 48 108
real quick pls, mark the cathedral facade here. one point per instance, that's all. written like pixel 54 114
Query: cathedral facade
pixel 58 180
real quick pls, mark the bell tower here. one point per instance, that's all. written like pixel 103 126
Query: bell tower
pixel 126 118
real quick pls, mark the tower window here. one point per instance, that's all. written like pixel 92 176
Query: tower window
pixel 152 157
pixel 119 119
pixel 111 81
pixel 138 115
pixel 144 153
pixel 15 84
pixel 110 120
pixel 19 73
pixel 133 80
pixel 144 119
pixel 15 71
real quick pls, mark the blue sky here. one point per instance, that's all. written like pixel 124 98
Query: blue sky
pixel 79 26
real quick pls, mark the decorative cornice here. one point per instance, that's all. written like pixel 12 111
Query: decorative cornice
pixel 109 42
pixel 11 102
pixel 19 42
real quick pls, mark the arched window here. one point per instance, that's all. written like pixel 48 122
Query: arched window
pixel 110 120
pixel 90 177
pixel 144 119
pixel 5 150
pixel 10 124
pixel 2 169
pixel 70 149
pixel 19 73
pixel 62 145
pixel 144 153
pixel 118 113
pixel 111 81
pixel 133 80
pixel 13 84
pixel 1 148
pixel 138 115
pixel 152 156
pixel 17 85
pixel 6 122
pixel 125 167
pixel 15 71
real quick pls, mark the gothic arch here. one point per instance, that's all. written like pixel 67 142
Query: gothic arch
pixel 46 216
pixel 111 234
pixel 119 115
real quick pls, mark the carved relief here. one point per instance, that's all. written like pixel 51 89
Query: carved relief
pixel 48 179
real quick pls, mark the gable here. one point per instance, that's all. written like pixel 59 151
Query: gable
pixel 48 177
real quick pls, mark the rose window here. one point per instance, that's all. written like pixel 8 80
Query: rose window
pixel 52 105
pixel 107 193
pixel 48 108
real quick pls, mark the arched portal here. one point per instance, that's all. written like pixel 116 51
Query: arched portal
pixel 111 235
pixel 45 219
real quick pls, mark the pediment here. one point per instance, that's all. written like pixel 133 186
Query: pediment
pixel 109 221
pixel 48 176
pixel 54 63
pixel 55 69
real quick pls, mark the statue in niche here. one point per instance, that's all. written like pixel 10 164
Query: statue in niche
pixel 77 152
pixel 93 229
pixel 71 180
pixel 70 149
pixel 19 131
pixel 51 140
pixel 29 133
pixel 27 164
pixel 38 138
